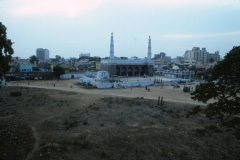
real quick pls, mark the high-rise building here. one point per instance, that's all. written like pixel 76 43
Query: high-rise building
pixel 197 54
pixel 202 56
pixel 42 54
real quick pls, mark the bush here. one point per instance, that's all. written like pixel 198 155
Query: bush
pixel 85 122
pixel 70 124
pixel 82 143
pixel 15 94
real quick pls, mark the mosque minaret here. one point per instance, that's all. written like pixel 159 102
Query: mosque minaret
pixel 111 48
pixel 149 48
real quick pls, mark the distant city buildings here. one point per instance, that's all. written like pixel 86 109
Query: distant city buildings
pixel 84 55
pixel 42 54
pixel 160 55
pixel 179 59
pixel 202 56
pixel 197 60
pixel 161 59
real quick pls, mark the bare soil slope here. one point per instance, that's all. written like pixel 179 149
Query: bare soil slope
pixel 57 124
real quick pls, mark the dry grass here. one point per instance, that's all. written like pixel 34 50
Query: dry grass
pixel 70 125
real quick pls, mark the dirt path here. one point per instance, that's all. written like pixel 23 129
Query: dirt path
pixel 46 119
pixel 167 92
pixel 35 145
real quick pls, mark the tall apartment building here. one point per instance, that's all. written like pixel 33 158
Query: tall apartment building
pixel 42 54
pixel 197 54
pixel 213 57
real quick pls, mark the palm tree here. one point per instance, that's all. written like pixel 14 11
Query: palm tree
pixel 33 58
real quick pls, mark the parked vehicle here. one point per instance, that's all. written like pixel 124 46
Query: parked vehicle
pixel 186 89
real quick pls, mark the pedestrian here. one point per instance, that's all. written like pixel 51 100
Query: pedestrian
pixel 54 84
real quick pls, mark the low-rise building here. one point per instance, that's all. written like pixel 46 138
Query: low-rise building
pixel 188 62
pixel 26 68
pixel 213 57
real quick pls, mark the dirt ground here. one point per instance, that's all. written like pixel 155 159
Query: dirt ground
pixel 63 123
pixel 167 92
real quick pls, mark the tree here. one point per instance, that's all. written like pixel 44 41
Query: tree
pixel 211 60
pixel 223 89
pixel 6 51
pixel 33 59
pixel 72 60
pixel 58 70
pixel 123 57
pixel 58 57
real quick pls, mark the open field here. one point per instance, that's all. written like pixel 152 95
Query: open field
pixel 167 92
pixel 47 122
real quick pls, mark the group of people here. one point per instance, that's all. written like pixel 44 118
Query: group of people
pixel 147 88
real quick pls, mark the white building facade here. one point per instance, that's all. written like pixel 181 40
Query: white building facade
pixel 201 55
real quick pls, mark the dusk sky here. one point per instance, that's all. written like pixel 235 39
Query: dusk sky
pixel 71 27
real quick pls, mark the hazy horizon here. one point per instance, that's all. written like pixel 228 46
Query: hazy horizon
pixel 69 28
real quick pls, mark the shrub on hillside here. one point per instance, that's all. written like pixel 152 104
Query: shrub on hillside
pixel 15 94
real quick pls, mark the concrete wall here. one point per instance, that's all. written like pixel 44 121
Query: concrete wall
pixel 71 76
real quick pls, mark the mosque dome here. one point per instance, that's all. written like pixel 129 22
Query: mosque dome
pixel 175 68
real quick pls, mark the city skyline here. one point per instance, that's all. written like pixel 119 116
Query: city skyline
pixel 69 28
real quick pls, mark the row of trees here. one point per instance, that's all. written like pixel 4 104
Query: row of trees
pixel 90 58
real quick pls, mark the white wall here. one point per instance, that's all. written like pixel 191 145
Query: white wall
pixel 69 76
